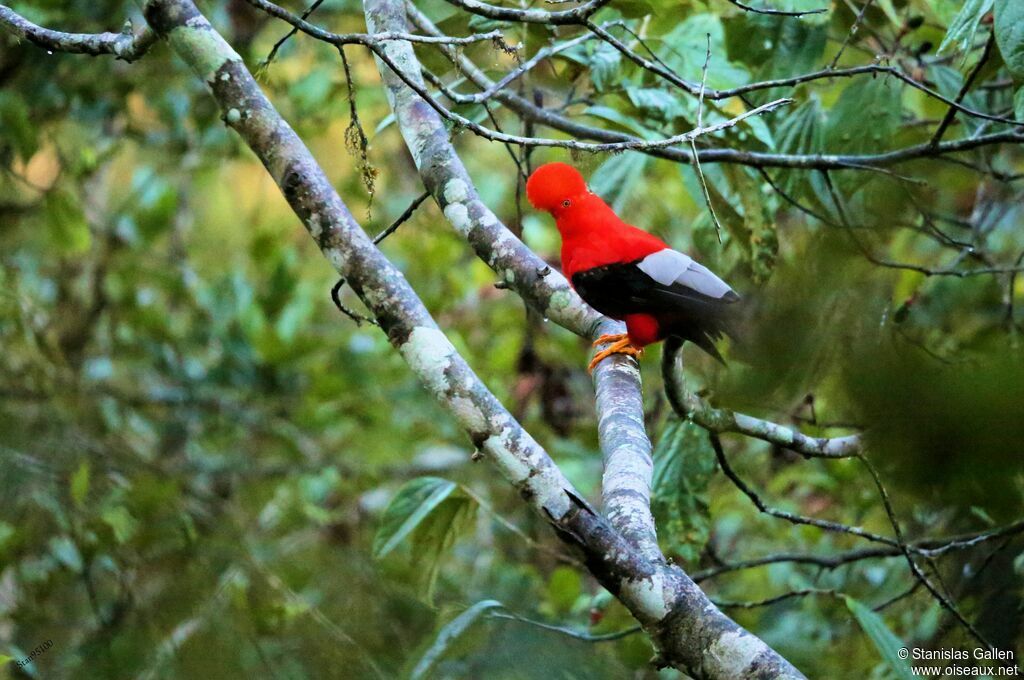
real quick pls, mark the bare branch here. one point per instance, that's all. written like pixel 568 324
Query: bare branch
pixel 627 449
pixel 566 17
pixel 968 83
pixel 718 421
pixel 125 45
pixel 776 12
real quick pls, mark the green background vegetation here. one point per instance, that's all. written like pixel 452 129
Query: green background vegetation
pixel 198 451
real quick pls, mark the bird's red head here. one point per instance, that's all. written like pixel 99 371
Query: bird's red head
pixel 551 185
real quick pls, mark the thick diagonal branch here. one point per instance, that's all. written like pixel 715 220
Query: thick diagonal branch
pixel 627 449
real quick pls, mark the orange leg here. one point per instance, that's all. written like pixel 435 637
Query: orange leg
pixel 622 346
pixel 607 339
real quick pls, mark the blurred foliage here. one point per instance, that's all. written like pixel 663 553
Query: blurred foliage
pixel 209 472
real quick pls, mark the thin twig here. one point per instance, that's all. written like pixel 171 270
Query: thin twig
pixel 693 143
pixel 968 83
pixel 269 59
pixel 563 630
pixel 776 12
pixel 406 214
pixel 355 316
pixel 853 32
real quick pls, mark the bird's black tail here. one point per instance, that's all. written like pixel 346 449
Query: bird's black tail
pixel 670 374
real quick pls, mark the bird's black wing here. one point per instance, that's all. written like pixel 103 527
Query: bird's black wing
pixel 619 289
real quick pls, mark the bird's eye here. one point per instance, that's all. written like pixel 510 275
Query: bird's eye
pixel 566 203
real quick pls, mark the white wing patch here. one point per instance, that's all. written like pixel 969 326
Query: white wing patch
pixel 665 266
pixel 670 266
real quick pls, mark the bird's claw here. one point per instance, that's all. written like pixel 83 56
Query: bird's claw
pixel 607 339
pixel 621 346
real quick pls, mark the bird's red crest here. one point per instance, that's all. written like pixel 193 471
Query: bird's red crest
pixel 553 183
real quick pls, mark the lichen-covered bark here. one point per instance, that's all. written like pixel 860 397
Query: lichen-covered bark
pixel 378 283
pixel 690 632
pixel 624 441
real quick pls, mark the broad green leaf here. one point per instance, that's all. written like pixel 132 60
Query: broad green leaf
pixel 761 131
pixel 948 82
pixel 120 522
pixel 410 506
pixel 865 117
pixel 451 632
pixel 628 122
pixel 616 178
pixel 66 220
pixel 66 552
pixel 604 62
pixel 683 466
pixel 863 121
pixel 800 133
pixel 775 47
pixel 656 103
pixel 890 12
pixel 885 641
pixel 965 24
pixel 1018 104
pixel 1009 28
pixel 80 484
pixel 431 514
pixel 685 51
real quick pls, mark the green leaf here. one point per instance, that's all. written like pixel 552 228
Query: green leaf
pixel 1009 28
pixel 655 103
pixel 1018 104
pixel 80 484
pixel 616 178
pixel 885 641
pixel 686 50
pixel 776 47
pixel 66 221
pixel 949 81
pixel 451 632
pixel 410 506
pixel 684 463
pixel 865 117
pixel 66 552
pixel 121 522
pixel 604 62
pixel 965 24
pixel 800 133
pixel 890 12
pixel 430 513
pixel 628 122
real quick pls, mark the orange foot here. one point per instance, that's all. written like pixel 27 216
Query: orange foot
pixel 621 346
pixel 608 339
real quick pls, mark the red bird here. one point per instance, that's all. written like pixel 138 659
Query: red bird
pixel 630 275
